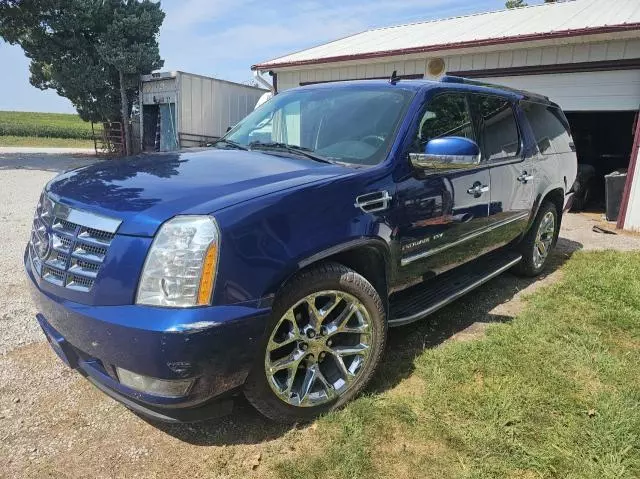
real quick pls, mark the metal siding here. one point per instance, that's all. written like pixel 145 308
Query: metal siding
pixel 185 108
pixel 208 125
pixel 534 56
pixel 521 22
pixel 632 49
pixel 592 91
pixel 196 106
pixel 207 106
pixel 549 55
pixel 597 52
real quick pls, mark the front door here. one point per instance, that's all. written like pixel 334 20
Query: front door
pixel 440 214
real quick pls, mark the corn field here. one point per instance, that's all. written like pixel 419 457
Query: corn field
pixel 48 125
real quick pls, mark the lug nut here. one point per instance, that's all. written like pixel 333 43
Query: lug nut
pixel 304 346
pixel 329 343
pixel 322 355
pixel 323 331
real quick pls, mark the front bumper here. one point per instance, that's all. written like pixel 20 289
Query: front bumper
pixel 213 345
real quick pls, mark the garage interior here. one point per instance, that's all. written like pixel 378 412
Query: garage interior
pixel 603 140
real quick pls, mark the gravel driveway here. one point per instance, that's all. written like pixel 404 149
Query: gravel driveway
pixel 53 423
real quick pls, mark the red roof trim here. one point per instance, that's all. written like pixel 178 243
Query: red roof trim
pixel 453 46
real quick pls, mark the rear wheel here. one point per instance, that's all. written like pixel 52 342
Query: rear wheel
pixel 539 241
pixel 325 340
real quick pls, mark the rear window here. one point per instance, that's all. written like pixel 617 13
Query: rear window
pixel 550 127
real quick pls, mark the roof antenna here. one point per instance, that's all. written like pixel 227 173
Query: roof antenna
pixel 394 77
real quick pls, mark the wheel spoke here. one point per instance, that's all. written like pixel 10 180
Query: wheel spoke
pixel 341 323
pixel 328 387
pixel 308 382
pixel 347 375
pixel 291 360
pixel 317 316
pixel 349 350
pixel 292 335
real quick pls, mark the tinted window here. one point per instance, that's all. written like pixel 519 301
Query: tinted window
pixel 445 115
pixel 549 126
pixel 499 137
pixel 344 124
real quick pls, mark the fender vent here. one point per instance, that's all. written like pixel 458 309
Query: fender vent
pixel 372 202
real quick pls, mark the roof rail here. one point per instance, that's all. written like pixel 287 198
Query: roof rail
pixel 467 81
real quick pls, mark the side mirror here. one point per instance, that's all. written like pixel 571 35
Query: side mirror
pixel 448 153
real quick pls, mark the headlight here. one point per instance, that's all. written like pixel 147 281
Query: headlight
pixel 181 265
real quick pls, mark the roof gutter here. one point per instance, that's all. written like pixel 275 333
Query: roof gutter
pixel 455 46
pixel 258 76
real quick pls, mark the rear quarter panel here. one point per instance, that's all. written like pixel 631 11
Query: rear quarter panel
pixel 554 170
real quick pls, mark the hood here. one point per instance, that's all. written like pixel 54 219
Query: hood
pixel 145 191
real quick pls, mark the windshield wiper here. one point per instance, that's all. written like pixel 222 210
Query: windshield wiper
pixel 300 150
pixel 232 144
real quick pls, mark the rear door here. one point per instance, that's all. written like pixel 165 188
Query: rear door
pixel 441 212
pixel 512 170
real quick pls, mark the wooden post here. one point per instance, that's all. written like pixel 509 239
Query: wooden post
pixel 631 171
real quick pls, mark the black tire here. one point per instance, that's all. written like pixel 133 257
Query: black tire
pixel 528 266
pixel 324 277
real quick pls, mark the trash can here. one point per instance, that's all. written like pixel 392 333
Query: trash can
pixel 614 187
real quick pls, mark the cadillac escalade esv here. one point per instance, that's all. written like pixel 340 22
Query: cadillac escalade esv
pixel 272 263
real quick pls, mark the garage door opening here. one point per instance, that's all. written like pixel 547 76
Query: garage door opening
pixel 603 142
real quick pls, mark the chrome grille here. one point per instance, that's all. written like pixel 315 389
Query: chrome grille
pixel 69 246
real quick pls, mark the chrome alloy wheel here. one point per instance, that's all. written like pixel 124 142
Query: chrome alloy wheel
pixel 318 348
pixel 544 238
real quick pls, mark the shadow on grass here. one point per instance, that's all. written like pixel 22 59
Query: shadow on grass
pixel 247 426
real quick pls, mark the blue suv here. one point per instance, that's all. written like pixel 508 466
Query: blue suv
pixel 272 263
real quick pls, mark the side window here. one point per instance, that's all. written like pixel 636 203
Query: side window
pixel 445 115
pixel 499 138
pixel 549 126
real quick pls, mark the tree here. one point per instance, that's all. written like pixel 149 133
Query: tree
pixel 90 51
pixel 129 44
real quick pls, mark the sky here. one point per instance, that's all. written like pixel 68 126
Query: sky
pixel 223 38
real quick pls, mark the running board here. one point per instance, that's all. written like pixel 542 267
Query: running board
pixel 419 301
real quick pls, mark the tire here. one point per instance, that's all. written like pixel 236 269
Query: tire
pixel 321 374
pixel 532 264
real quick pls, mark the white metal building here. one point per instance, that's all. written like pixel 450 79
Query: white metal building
pixel 583 54
pixel 182 109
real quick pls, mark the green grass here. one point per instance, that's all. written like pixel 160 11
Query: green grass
pixel 54 125
pixel 43 142
pixel 554 393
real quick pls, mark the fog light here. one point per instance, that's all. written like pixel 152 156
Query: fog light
pixel 158 387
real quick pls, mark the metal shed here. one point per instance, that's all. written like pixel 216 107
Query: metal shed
pixel 183 109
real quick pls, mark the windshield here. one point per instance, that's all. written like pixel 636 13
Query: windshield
pixel 351 125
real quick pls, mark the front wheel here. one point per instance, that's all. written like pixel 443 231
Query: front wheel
pixel 537 244
pixel 325 340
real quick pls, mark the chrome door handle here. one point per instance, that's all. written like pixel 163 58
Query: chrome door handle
pixel 525 177
pixel 477 189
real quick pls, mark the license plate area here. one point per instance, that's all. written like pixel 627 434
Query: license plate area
pixel 60 345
